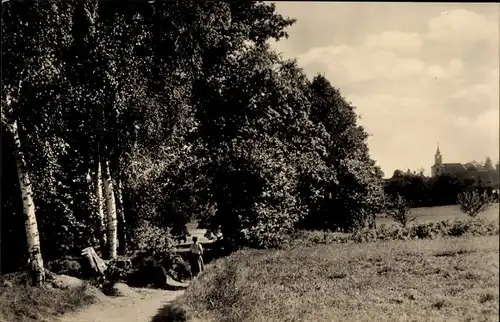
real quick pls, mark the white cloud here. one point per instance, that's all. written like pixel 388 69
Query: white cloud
pixel 363 63
pixel 358 64
pixel 394 40
pixel 462 26
pixel 452 70
pixel 414 87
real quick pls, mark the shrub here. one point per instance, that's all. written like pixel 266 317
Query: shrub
pixel 473 203
pixel 152 239
pixel 66 266
pixel 400 210
pixel 426 230
pixel 179 268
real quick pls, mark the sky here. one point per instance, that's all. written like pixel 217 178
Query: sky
pixel 417 73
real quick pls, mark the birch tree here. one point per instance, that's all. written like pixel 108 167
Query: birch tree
pixel 100 207
pixel 30 47
pixel 86 71
pixel 123 235
pixel 31 226
pixel 112 222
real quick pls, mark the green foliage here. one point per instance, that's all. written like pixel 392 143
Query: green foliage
pixel 430 191
pixel 384 232
pixel 35 37
pixel 400 210
pixel 251 127
pixel 349 191
pixel 429 230
pixel 172 313
pixel 66 266
pixel 196 115
pixel 488 164
pixel 152 239
pixel 473 203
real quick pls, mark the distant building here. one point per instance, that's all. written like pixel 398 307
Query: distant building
pixel 464 171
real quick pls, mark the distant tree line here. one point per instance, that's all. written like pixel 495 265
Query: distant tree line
pixel 424 191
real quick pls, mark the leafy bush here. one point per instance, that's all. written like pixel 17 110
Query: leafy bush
pixel 179 268
pixel 152 239
pixel 472 203
pixel 400 210
pixel 66 266
pixel 426 230
pixel 255 197
pixel 429 230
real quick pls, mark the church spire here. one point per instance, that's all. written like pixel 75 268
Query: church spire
pixel 438 158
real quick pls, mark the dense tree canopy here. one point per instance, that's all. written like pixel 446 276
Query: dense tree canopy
pixel 184 111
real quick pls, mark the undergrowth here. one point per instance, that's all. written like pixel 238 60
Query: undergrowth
pixel 386 232
pixel 20 302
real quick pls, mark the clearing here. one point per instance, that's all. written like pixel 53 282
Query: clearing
pixel 450 279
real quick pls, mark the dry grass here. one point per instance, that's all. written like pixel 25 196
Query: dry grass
pixel 20 302
pixel 453 279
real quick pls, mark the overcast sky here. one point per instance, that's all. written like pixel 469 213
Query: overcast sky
pixel 418 73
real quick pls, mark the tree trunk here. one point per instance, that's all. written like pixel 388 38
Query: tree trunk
pixel 31 226
pixel 122 223
pixel 100 207
pixel 111 212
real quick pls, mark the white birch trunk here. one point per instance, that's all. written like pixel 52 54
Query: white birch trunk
pixel 30 223
pixel 111 212
pixel 100 207
pixel 123 238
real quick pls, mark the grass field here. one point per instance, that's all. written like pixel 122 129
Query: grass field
pixel 421 280
pixel 443 213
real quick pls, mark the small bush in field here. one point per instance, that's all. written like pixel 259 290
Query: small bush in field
pixel 473 203
pixel 400 210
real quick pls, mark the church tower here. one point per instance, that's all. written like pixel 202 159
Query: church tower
pixel 438 162
pixel 438 158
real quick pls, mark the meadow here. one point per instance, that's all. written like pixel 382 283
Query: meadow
pixel 443 279
pixel 450 279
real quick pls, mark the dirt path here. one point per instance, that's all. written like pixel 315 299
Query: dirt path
pixel 138 306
